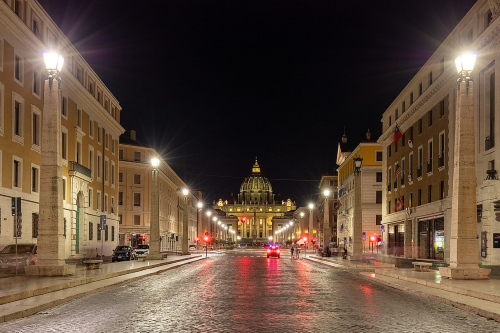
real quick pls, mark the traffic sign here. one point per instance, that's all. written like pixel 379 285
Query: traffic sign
pixel 382 228
pixel 364 235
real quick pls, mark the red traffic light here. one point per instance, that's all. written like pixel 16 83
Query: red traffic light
pixel 313 240
pixel 205 238
pixel 243 219
pixel 372 238
pixel 305 239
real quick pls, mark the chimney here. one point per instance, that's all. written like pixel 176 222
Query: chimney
pixel 132 135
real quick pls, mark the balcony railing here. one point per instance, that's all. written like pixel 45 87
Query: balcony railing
pixel 489 142
pixel 78 168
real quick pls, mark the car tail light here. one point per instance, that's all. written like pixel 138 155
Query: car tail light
pixel 268 250
pixel 278 250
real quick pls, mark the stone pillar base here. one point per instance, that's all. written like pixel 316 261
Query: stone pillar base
pixel 468 273
pixel 157 256
pixel 50 270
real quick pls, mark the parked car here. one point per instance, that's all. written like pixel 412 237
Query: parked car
pixel 26 255
pixel 142 250
pixel 123 252
pixel 192 247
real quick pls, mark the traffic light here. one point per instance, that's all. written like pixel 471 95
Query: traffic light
pixel 205 238
pixel 305 239
pixel 313 241
pixel 372 238
pixel 243 219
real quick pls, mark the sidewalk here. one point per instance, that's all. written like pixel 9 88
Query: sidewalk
pixel 22 296
pixel 481 297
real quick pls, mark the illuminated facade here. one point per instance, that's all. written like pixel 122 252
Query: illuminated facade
pixel 255 213
pixel 90 127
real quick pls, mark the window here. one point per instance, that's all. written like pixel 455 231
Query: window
pixel 120 198
pixel 17 173
pixel 91 198
pixel 79 118
pixel 113 111
pixel 137 178
pixel 379 156
pixel 106 104
pixel 410 199
pixel 378 197
pixel 389 150
pixel 410 133
pixel 420 162
pixel 378 219
pixel 441 150
pixel 36 127
pixel 79 73
pixel 35 177
pixel 113 146
pixel 379 177
pixel 64 145
pixel 389 179
pixel 490 112
pixel 137 199
pixel 120 177
pixel 64 184
pixel 112 233
pixel 99 95
pixel 35 25
pixel 79 152
pixel 99 165
pixel 137 156
pixel 411 98
pixel 91 87
pixel 98 197
pixel 106 235
pixel 137 219
pixel 18 69
pixel 18 119
pixel 91 128
pixel 429 156
pixel 112 173
pixel 396 147
pixel 106 169
pixel 120 219
pixel 430 78
pixel 396 114
pixel 441 190
pixel 420 126
pixel 403 106
pixel 419 197
pixel 105 203
pixel 410 168
pixel 18 8
pixel 420 89
pixel 487 18
pixel 120 154
pixel 91 231
pixel 403 171
pixel 429 117
pixel 429 194
pixel 64 107
pixel 388 207
pixel 106 141
pixel 390 121
pixel 441 109
pixel 91 160
pixel 36 83
pixel 98 134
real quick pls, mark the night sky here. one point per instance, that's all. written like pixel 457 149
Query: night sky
pixel 214 84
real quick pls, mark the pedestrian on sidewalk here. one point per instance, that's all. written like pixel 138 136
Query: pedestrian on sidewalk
pixel 291 250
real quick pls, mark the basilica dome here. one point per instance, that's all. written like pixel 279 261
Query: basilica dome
pixel 256 189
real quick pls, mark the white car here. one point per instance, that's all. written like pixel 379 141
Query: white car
pixel 142 250
pixel 192 247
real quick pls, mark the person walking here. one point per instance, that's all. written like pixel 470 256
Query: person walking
pixel 291 250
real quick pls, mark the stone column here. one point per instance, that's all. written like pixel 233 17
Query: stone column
pixel 464 246
pixel 326 223
pixel 51 241
pixel 154 222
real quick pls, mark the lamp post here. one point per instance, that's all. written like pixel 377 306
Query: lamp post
pixel 51 238
pixel 311 226
pixel 154 222
pixel 185 222
pixel 357 219
pixel 464 246
pixel 326 217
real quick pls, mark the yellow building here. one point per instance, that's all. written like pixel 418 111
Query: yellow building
pixel 90 127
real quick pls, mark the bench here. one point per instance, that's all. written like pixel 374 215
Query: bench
pixel 93 264
pixel 422 266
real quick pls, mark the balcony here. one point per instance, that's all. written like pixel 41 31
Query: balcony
pixel 78 170
pixel 489 142
pixel 440 161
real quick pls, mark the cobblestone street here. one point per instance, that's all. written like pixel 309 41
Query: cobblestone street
pixel 247 292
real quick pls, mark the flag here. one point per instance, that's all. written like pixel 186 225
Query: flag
pixel 397 133
pixel 399 205
pixel 398 169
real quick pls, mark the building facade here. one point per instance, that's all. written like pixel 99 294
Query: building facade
pixel 360 197
pixel 255 214
pixel 425 112
pixel 90 127
pixel 134 198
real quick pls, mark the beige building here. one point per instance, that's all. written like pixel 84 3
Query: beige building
pixel 134 198
pixel 359 196
pixel 425 112
pixel 90 127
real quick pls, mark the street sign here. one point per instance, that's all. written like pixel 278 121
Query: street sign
pixel 382 228
pixel 364 235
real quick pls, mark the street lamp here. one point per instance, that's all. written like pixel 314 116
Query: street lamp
pixel 51 238
pixel 464 247
pixel 357 219
pixel 154 223
pixel 326 218
pixel 311 227
pixel 185 226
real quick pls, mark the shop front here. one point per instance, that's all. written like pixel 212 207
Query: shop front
pixel 396 239
pixel 431 237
